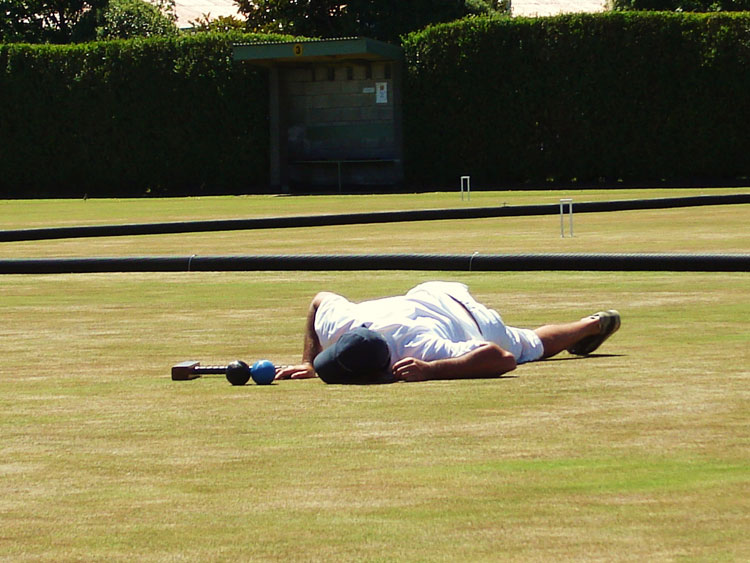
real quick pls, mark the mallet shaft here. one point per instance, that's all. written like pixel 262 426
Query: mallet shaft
pixel 209 369
pixel 185 371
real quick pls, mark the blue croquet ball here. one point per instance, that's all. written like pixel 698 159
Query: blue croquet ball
pixel 263 372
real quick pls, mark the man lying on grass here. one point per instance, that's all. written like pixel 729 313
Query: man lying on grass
pixel 436 331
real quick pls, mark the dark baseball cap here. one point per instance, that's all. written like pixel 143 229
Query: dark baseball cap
pixel 360 357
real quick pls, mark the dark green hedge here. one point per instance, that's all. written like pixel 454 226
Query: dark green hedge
pixel 633 97
pixel 683 5
pixel 159 116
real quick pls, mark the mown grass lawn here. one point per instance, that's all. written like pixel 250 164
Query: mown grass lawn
pixel 637 453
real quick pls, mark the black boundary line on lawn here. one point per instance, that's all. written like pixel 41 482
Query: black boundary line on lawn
pixel 445 262
pixel 361 218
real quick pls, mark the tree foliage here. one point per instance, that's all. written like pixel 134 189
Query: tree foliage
pixel 49 21
pixel 381 19
pixel 124 19
pixel 75 21
pixel 220 24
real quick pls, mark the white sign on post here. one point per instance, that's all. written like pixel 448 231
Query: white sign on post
pixel 381 93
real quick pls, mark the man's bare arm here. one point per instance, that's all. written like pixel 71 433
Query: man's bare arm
pixel 310 347
pixel 489 360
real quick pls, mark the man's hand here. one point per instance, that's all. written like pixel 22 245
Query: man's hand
pixel 300 371
pixel 411 369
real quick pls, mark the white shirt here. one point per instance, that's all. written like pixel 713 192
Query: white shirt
pixel 431 322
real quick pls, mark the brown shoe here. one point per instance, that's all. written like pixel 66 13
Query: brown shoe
pixel 609 322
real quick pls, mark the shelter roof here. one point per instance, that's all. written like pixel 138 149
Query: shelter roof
pixel 318 50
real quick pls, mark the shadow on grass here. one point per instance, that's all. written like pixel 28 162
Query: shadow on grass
pixel 589 357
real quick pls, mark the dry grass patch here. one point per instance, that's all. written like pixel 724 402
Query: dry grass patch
pixel 638 453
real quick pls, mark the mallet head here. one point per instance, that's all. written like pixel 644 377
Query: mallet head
pixel 185 371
